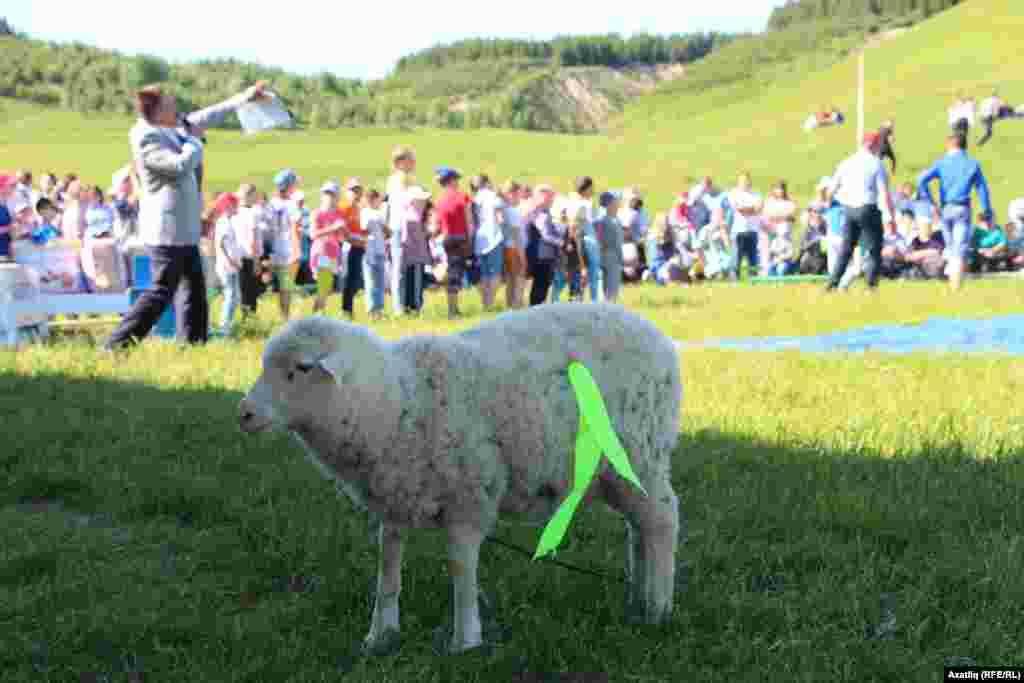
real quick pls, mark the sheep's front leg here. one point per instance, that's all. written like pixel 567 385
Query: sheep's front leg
pixel 463 559
pixel 384 626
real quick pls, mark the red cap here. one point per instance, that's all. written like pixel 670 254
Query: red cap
pixel 872 138
pixel 224 201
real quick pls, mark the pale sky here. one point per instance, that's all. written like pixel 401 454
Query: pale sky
pixel 353 40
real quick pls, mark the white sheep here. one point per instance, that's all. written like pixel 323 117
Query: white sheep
pixel 449 432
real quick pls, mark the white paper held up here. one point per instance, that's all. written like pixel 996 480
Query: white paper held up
pixel 264 114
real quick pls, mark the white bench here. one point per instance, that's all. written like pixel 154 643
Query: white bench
pixel 42 305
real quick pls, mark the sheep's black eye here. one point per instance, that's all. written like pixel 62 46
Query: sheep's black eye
pixel 291 376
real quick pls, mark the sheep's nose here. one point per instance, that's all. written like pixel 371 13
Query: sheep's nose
pixel 245 415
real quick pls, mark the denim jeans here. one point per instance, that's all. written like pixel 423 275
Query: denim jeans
pixel 232 297
pixel 373 273
pixel 745 248
pixel 559 282
pixel 178 280
pixel 956 230
pixel 592 260
pixel 862 223
pixel 353 278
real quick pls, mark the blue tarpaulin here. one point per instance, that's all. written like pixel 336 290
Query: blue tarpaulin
pixel 999 335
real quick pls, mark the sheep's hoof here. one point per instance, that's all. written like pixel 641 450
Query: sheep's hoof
pixel 387 643
pixel 494 633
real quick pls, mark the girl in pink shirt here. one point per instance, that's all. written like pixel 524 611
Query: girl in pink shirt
pixel 327 231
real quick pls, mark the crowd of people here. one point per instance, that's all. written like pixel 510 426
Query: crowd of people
pixel 407 239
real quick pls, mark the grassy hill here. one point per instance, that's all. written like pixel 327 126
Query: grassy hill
pixel 756 122
pixel 663 143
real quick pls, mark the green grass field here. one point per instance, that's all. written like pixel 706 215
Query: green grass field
pixel 851 517
pixel 825 495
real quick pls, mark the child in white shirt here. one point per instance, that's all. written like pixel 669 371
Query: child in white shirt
pixel 373 220
pixel 229 258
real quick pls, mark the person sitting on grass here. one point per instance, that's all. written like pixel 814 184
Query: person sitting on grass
pixel 926 253
pixel 691 251
pixel 989 246
pixel 904 197
pixel 813 257
pixel 781 253
pixel 7 183
pixel 716 245
pixel 1015 245
pixel 666 266
pixel 895 248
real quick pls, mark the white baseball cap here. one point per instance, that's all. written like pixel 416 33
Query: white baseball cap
pixel 417 194
pixel 330 187
pixel 825 182
pixel 299 197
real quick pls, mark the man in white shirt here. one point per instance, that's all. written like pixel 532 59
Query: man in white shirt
pixel 861 185
pixel 961 118
pixel 746 225
pixel 992 109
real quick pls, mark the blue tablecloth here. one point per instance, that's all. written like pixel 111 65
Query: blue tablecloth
pixel 1004 334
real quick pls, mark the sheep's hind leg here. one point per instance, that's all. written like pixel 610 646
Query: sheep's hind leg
pixel 659 539
pixel 383 637
pixel 652 538
pixel 463 560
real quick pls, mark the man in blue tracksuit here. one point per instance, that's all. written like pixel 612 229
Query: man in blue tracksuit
pixel 958 174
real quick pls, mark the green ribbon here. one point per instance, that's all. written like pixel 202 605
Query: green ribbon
pixel 595 437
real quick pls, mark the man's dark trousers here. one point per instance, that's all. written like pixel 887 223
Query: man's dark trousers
pixel 178 280
pixel 988 122
pixel 745 249
pixel 863 223
pixel 543 275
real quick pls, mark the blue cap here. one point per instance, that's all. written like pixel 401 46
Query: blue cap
pixel 285 179
pixel 608 197
pixel 446 173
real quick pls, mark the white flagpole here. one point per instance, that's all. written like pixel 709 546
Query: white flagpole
pixel 860 98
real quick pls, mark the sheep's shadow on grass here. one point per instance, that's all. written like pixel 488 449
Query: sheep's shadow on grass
pixel 249 527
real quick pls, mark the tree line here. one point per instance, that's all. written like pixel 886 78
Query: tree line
pixel 803 11
pixel 612 50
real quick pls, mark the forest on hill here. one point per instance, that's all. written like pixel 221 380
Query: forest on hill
pixel 804 11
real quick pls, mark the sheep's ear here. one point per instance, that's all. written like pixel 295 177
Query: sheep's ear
pixel 330 366
pixel 318 365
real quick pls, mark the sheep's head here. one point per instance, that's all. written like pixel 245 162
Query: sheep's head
pixel 312 367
